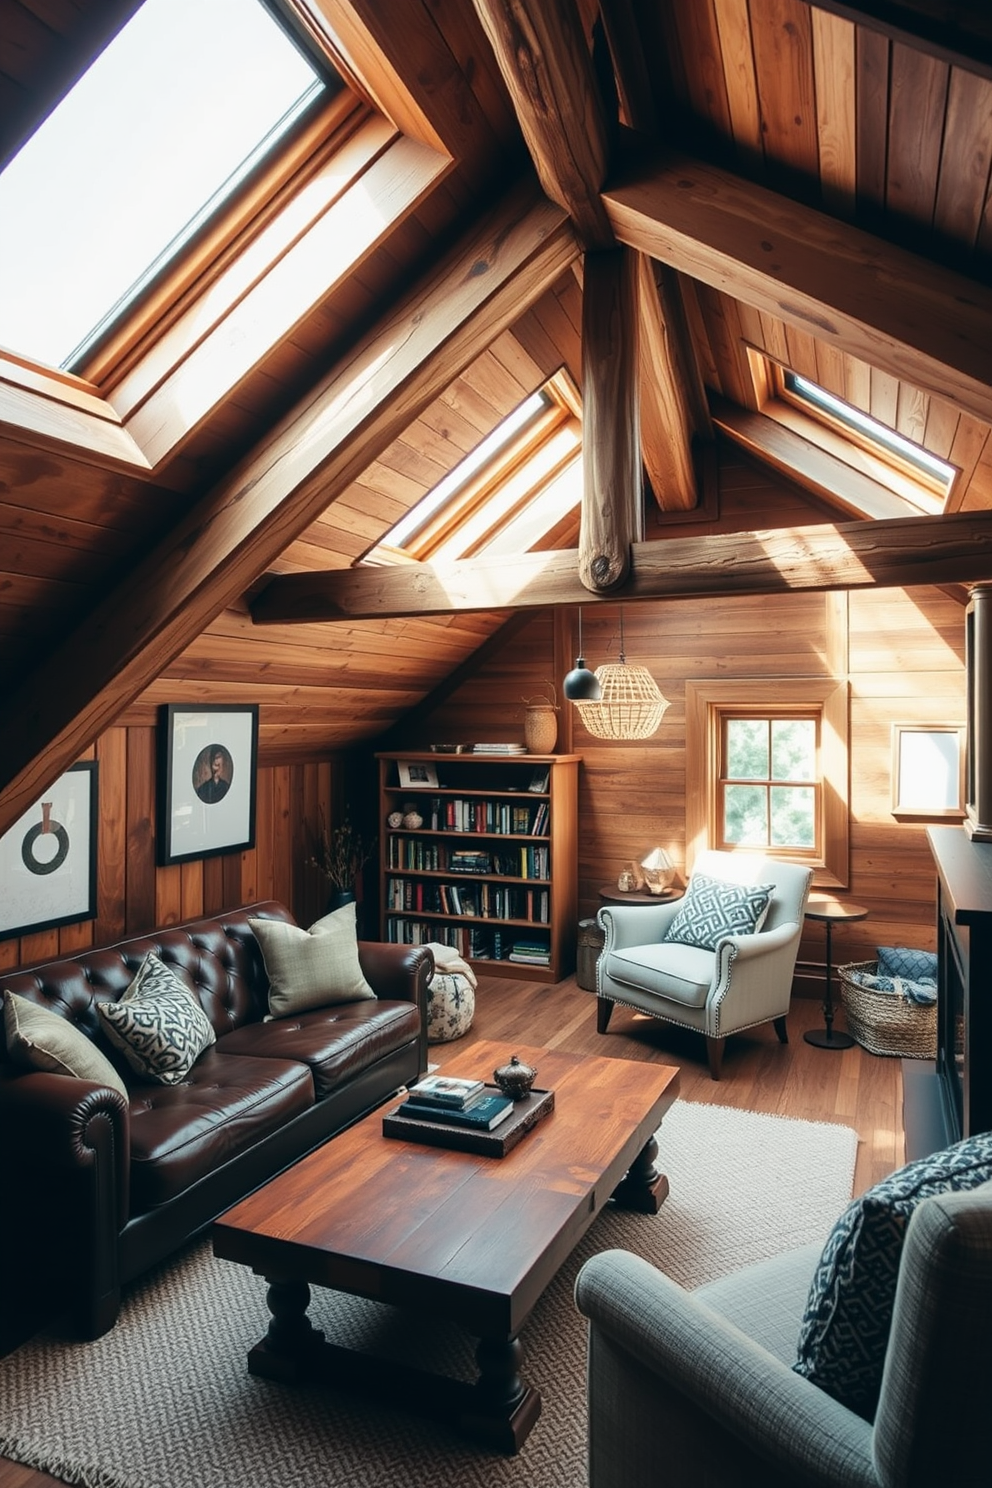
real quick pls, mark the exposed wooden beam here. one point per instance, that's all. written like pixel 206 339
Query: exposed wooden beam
pixel 959 34
pixel 668 371
pixel 612 493
pixel 852 555
pixel 545 62
pixel 891 308
pixel 242 526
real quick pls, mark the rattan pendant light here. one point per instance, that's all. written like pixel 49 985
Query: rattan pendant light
pixel 631 705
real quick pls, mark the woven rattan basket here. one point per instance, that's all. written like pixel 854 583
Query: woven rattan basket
pixel 886 1022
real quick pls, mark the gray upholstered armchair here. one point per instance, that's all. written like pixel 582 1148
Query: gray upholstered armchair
pixel 696 1390
pixel 738 981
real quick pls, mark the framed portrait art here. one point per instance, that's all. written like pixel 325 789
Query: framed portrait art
pixel 48 857
pixel 208 759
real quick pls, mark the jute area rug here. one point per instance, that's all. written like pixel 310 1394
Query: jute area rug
pixel 164 1400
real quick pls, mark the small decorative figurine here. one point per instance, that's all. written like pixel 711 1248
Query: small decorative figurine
pixel 626 882
pixel 413 819
pixel 515 1079
pixel 395 819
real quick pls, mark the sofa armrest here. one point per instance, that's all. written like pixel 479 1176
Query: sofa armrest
pixel 655 1347
pixel 399 973
pixel 63 1124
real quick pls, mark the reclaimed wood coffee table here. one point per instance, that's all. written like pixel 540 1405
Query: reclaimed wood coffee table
pixel 450 1234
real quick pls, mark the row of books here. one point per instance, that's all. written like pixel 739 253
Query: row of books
pixel 499 818
pixel 480 942
pixel 486 901
pixel 416 856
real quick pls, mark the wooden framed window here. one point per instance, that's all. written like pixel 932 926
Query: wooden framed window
pixel 767 771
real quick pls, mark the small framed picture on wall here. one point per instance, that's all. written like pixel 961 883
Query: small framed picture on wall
pixel 208 761
pixel 48 857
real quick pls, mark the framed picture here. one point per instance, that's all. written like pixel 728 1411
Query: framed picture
pixel 48 857
pixel 208 759
pixel 928 762
pixel 416 776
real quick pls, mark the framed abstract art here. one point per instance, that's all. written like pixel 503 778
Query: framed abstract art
pixel 48 857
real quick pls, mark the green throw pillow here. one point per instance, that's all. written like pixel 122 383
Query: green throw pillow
pixel 713 908
pixel 158 1024
pixel 311 968
pixel 42 1040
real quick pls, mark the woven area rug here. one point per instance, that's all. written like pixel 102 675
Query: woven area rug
pixel 165 1400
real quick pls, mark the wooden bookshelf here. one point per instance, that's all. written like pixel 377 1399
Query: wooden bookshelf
pixel 492 868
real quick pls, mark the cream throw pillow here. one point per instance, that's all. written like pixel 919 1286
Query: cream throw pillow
pixel 42 1040
pixel 311 968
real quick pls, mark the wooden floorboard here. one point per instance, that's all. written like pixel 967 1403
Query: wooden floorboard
pixel 760 1074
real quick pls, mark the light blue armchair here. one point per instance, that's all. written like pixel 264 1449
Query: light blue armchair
pixel 696 1390
pixel 745 980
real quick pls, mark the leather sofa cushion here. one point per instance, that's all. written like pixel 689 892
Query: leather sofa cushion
pixel 335 1042
pixel 681 973
pixel 180 1133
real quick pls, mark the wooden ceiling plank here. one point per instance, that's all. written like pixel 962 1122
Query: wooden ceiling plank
pixel 917 105
pixel 231 536
pixel 612 491
pixel 834 67
pixel 783 64
pixel 906 315
pixel 737 48
pixel 851 555
pixel 966 160
pixel 871 143
pixel 544 58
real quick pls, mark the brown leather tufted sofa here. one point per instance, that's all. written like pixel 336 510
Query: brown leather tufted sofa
pixel 95 1190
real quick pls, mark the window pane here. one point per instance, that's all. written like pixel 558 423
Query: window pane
pixel 793 816
pixel 747 749
pixel 746 815
pixel 158 130
pixel 793 749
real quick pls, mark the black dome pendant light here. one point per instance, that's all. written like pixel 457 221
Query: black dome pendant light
pixel 581 685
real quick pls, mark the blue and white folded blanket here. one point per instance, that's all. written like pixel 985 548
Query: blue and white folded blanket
pixel 923 991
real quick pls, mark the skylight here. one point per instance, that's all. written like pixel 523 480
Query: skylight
pixel 164 126
pixel 920 459
pixel 407 528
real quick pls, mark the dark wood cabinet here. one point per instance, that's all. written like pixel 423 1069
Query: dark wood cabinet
pixel 951 1097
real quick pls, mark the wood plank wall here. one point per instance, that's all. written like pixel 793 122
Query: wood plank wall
pixel 134 895
pixel 902 652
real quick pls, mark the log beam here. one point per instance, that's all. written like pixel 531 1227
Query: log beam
pixel 669 379
pixel 546 65
pixel 955 548
pixel 612 494
pixel 891 308
pixel 212 557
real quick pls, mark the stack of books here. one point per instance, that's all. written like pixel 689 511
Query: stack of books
pixel 454 1102
pixel 531 953
pixel 499 748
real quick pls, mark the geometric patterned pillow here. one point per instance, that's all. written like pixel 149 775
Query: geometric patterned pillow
pixel 901 961
pixel 845 1328
pixel 712 909
pixel 157 1024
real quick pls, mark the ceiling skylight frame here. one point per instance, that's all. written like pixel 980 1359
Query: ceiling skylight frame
pixel 491 485
pixel 127 319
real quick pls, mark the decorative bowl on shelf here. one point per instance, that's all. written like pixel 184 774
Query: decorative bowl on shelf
pixel 451 749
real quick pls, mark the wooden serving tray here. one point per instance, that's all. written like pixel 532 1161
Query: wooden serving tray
pixel 496 1143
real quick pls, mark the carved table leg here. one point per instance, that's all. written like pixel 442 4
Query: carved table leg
pixel 504 1408
pixel 288 1348
pixel 644 1188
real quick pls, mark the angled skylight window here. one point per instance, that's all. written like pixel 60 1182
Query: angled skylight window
pixel 932 471
pixel 506 494
pixel 161 130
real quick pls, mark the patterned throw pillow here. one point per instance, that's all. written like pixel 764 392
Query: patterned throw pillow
pixel 712 909
pixel 845 1328
pixel 39 1039
pixel 912 966
pixel 158 1025
pixel 450 1007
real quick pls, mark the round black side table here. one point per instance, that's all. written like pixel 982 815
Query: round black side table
pixel 830 912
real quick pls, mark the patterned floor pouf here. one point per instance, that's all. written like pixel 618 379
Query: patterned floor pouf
pixel 450 1007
